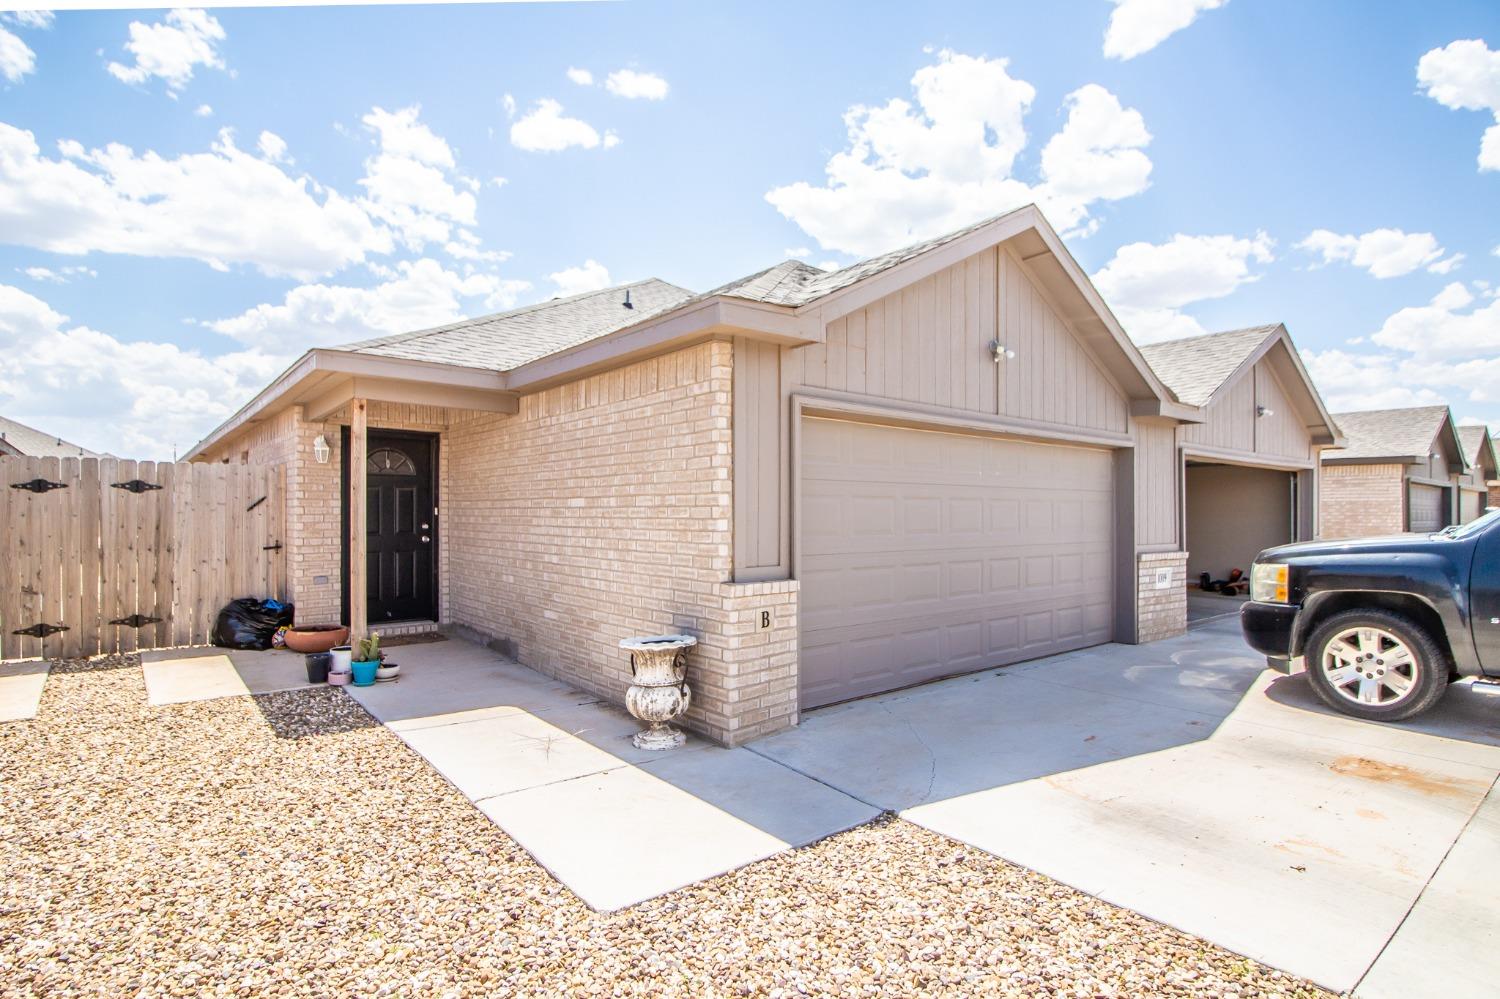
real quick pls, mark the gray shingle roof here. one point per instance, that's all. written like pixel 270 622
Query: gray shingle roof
pixel 508 340
pixel 1194 368
pixel 34 443
pixel 1473 438
pixel 1388 433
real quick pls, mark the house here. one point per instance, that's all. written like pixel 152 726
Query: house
pixel 1250 469
pixel 17 439
pixel 1399 471
pixel 942 459
pixel 1474 486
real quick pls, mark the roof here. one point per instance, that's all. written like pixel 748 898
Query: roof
pixel 1195 367
pixel 1473 438
pixel 1389 433
pixel 33 443
pixel 508 340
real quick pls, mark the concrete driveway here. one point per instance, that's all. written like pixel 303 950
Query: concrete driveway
pixel 1184 781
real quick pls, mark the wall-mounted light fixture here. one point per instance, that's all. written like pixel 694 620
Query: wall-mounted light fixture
pixel 321 450
pixel 1264 411
pixel 1000 352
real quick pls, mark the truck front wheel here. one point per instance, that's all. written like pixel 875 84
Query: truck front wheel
pixel 1376 664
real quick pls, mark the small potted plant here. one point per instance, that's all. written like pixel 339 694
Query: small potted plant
pixel 386 671
pixel 366 660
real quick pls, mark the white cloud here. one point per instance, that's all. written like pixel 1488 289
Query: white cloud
pixel 172 49
pixel 582 77
pixel 797 252
pixel 1138 26
pixel 509 103
pixel 1385 253
pixel 59 275
pixel 589 276
pixel 203 110
pixel 1349 382
pixel 630 84
pixel 223 207
pixel 412 296
pixel 135 399
pixel 1148 284
pixel 1465 75
pixel 30 18
pixel 272 147
pixel 1445 327
pixel 400 133
pixel 545 129
pixel 912 172
pixel 16 58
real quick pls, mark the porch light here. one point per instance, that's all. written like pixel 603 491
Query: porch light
pixel 1264 411
pixel 1000 352
pixel 321 450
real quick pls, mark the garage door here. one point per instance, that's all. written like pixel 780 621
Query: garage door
pixel 1470 505
pixel 1427 508
pixel 929 554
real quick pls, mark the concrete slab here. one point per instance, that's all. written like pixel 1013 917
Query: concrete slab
pixel 1444 948
pixel 259 672
pixel 716 809
pixel 192 678
pixel 21 685
pixel 1182 780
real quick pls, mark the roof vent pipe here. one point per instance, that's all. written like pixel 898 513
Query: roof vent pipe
pixel 627 299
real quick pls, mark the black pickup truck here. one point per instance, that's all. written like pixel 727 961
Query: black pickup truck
pixel 1385 624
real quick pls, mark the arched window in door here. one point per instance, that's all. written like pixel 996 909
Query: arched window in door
pixel 389 461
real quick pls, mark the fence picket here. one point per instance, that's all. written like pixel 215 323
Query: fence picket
pixel 88 523
pixel 70 575
pixel 29 539
pixel 10 567
pixel 161 632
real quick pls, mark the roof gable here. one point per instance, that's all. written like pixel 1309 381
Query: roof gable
pixel 20 439
pixel 1479 449
pixel 1396 434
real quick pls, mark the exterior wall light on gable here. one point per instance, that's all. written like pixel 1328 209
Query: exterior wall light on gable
pixel 1000 352
pixel 321 450
pixel 1264 411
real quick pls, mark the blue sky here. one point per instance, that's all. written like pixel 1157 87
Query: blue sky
pixel 1268 161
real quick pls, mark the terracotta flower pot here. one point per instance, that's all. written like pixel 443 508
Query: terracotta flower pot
pixel 316 637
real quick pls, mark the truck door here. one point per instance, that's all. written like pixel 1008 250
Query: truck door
pixel 1484 599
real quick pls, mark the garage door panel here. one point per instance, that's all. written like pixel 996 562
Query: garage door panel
pixel 1001 551
pixel 1426 508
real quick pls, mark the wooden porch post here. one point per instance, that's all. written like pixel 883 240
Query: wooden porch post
pixel 358 439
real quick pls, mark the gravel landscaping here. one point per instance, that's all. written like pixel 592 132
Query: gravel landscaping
pixel 286 844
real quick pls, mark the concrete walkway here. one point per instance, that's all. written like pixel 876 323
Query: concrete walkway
pixel 555 768
pixel 178 676
pixel 21 684
pixel 1182 780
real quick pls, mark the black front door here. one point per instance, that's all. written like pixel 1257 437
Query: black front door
pixel 401 526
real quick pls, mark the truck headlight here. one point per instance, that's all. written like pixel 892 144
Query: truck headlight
pixel 1268 583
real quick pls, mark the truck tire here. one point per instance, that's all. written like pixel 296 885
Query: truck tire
pixel 1376 664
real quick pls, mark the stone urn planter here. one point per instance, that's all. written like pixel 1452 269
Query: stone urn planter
pixel 658 687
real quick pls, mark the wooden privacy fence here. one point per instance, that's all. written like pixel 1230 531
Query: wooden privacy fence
pixel 101 555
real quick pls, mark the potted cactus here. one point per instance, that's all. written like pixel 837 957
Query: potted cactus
pixel 366 659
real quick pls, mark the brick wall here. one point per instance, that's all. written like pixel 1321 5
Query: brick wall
pixel 603 510
pixel 1161 611
pixel 1362 500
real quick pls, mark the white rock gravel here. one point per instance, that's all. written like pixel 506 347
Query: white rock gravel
pixel 287 845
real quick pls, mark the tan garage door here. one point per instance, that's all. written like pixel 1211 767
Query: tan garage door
pixel 929 554
pixel 1470 505
pixel 1427 508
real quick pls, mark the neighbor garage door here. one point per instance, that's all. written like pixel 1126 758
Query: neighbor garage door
pixel 1470 505
pixel 929 554
pixel 1427 508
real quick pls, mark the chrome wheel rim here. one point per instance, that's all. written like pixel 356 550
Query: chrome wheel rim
pixel 1370 667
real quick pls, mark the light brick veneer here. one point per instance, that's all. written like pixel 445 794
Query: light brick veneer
pixel 1161 611
pixel 1362 500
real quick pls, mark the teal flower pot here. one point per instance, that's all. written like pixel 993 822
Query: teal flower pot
pixel 364 672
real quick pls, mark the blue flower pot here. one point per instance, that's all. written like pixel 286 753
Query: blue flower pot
pixel 364 672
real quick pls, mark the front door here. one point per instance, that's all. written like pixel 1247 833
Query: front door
pixel 401 540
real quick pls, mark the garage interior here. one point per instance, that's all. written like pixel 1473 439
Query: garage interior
pixel 1232 512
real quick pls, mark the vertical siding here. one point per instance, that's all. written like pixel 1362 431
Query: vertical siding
pixel 1156 491
pixel 1281 433
pixel 929 344
pixel 758 435
pixel 1231 419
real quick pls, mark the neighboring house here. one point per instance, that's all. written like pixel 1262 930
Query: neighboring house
pixel 1475 484
pixel 942 459
pixel 1400 471
pixel 1250 470
pixel 19 440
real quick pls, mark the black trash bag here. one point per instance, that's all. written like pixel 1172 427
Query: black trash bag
pixel 248 623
